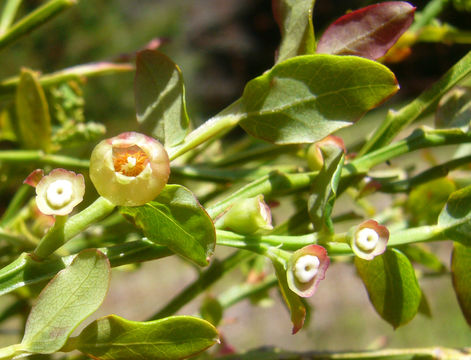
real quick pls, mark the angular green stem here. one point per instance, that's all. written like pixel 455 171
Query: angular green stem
pixel 431 11
pixel 20 197
pixel 34 20
pixel 396 120
pixel 8 14
pixel 38 156
pixel 53 240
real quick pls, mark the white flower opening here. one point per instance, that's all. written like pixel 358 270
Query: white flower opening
pixel 59 193
pixel 367 239
pixel 306 268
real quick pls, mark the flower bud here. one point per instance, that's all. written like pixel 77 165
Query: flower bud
pixel 315 159
pixel 247 216
pixel 369 239
pixel 57 193
pixel 306 268
pixel 130 169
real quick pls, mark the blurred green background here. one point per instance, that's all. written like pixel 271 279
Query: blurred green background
pixel 220 45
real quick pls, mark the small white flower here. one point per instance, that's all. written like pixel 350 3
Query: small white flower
pixel 59 192
pixel 306 268
pixel 369 240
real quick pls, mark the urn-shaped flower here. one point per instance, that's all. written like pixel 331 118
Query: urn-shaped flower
pixel 130 169
pixel 369 239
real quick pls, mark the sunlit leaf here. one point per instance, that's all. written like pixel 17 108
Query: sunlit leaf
pixel 304 99
pixel 69 298
pixel 392 286
pixel 115 338
pixel 368 32
pixel 455 218
pixel 176 219
pixel 34 121
pixel 461 275
pixel 160 97
pixel 294 18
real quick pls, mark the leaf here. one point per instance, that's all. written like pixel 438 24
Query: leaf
pixel 294 18
pixel 461 275
pixel 368 32
pixel 176 219
pixel 422 255
pixel 324 187
pixel 455 218
pixel 454 109
pixel 34 121
pixel 392 286
pixel 436 192
pixel 293 301
pixel 69 298
pixel 211 310
pixel 160 97
pixel 304 99
pixel 114 338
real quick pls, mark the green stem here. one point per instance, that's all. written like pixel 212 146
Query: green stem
pixel 26 270
pixel 20 197
pixel 216 126
pixel 38 156
pixel 8 87
pixel 396 120
pixel 245 291
pixel 34 20
pixel 417 140
pixel 433 9
pixel 216 270
pixel 53 240
pixel 95 212
pixel 9 352
pixel 433 173
pixel 8 14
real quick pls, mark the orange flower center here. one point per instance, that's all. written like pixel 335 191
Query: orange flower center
pixel 130 160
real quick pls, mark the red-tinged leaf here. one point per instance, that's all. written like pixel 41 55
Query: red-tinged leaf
pixel 461 274
pixel 368 32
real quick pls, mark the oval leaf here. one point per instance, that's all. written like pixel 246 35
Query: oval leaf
pixel 304 99
pixel 392 286
pixel 294 18
pixel 160 97
pixel 455 218
pixel 115 338
pixel 69 298
pixel 368 32
pixel 176 219
pixel 461 275
pixel 34 121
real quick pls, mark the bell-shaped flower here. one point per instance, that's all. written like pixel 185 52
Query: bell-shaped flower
pixel 130 169
pixel 247 216
pixel 57 193
pixel 369 239
pixel 306 268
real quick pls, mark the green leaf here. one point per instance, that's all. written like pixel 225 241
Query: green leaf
pixel 461 275
pixel 115 338
pixel 421 254
pixel 392 286
pixel 160 97
pixel 176 219
pixel 455 218
pixel 69 298
pixel 294 18
pixel 34 121
pixel 436 192
pixel 211 310
pixel 304 99
pixel 293 301
pixel 324 188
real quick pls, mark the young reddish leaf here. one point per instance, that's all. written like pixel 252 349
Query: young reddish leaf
pixel 368 32
pixel 460 265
